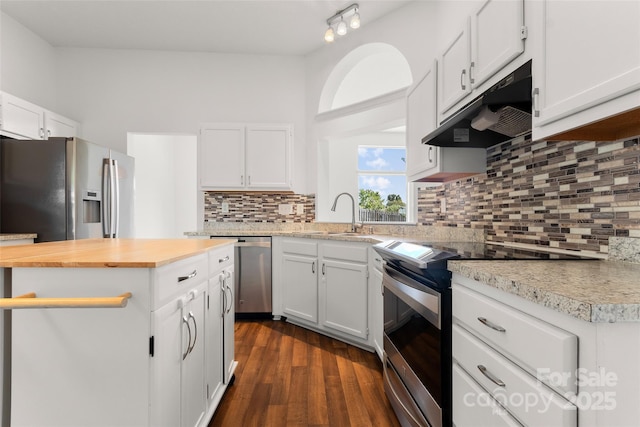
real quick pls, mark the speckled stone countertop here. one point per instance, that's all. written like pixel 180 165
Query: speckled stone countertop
pixel 594 291
pixel 343 236
pixel 14 236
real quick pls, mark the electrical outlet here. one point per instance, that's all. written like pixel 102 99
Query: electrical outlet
pixel 299 208
pixel 285 209
pixel 225 207
pixel 443 205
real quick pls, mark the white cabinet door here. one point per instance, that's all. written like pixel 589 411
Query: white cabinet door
pixel 585 56
pixel 300 287
pixel 57 125
pixel 453 75
pixel 268 156
pixel 421 120
pixel 193 394
pixel 376 318
pixel 166 365
pixel 22 118
pixel 228 321
pixel 497 37
pixel 213 340
pixel 345 295
pixel 221 154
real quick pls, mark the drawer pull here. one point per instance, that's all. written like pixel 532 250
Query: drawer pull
pixel 221 260
pixel 491 325
pixel 491 377
pixel 191 275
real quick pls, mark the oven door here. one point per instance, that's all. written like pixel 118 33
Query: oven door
pixel 413 349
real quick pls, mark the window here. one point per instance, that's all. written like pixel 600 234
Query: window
pixel 382 184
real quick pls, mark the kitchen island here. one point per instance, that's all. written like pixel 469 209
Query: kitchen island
pixel 119 331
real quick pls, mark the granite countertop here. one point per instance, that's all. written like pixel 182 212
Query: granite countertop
pixel 308 234
pixel 16 236
pixel 105 253
pixel 593 291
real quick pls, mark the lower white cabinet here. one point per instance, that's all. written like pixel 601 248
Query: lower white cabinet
pixel 515 359
pixel 163 360
pixel 323 285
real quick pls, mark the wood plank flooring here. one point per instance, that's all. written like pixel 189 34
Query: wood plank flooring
pixel 290 376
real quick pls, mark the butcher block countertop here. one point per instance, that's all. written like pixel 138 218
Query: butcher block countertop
pixel 103 253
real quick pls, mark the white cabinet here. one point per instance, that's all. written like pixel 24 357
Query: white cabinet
pixel 23 119
pixel 323 285
pixel 245 156
pixel 377 305
pixel 421 120
pixel 299 279
pixel 344 288
pixel 490 39
pixel 589 72
pixel 156 362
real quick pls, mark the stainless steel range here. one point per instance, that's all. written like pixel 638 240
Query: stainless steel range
pixel 417 322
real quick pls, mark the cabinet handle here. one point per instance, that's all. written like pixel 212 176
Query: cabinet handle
pixel 471 79
pixel 493 378
pixel 491 325
pixel 241 179
pixel 230 298
pixel 313 267
pixel 248 179
pixel 42 133
pixel 462 85
pixel 185 320
pixel 536 100
pixel 195 333
pixel 223 290
pixel 48 133
pixel 221 260
pixel 323 268
pixel 30 301
pixel 191 275
pixel 429 158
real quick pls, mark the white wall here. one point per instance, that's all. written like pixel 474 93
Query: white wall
pixel 28 64
pixel 113 92
pixel 166 195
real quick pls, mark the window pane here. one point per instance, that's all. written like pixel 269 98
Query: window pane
pixel 381 159
pixel 382 197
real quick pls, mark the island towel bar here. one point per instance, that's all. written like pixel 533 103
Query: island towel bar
pixel 30 301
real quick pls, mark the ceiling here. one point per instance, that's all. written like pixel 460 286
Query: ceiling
pixel 274 27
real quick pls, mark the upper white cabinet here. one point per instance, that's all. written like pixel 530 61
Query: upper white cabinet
pixel 23 119
pixel 421 119
pixel 586 65
pixel 245 156
pixel 491 38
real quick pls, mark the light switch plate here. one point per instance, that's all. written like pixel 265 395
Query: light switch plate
pixel 299 208
pixel 225 207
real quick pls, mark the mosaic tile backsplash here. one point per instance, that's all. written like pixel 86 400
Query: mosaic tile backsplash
pixel 258 207
pixel 566 195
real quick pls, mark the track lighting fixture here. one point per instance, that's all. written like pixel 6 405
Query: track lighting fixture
pixel 341 28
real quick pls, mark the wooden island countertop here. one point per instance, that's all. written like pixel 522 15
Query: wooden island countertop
pixel 105 253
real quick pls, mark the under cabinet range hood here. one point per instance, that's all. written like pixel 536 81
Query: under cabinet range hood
pixel 501 113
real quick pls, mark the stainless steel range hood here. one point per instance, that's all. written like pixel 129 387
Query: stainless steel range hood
pixel 498 115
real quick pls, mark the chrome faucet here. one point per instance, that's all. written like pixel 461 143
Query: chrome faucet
pixel 353 209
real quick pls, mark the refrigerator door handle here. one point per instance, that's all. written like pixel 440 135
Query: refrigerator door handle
pixel 115 206
pixel 106 198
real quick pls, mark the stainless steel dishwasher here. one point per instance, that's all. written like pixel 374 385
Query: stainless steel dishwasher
pixel 253 276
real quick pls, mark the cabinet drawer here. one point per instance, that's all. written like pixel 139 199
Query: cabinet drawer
pixel 345 252
pixel 300 247
pixel 522 394
pixel 220 258
pixel 176 278
pixel 472 406
pixel 542 349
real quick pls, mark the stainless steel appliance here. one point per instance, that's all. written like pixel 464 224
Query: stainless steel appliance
pixel 252 256
pixel 65 189
pixel 417 322
pixel 501 113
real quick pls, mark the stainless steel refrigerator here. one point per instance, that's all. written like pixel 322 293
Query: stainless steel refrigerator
pixel 65 189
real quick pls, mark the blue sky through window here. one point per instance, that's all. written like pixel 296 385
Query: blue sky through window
pixel 376 166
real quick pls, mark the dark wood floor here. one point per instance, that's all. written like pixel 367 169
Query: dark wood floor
pixel 289 376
